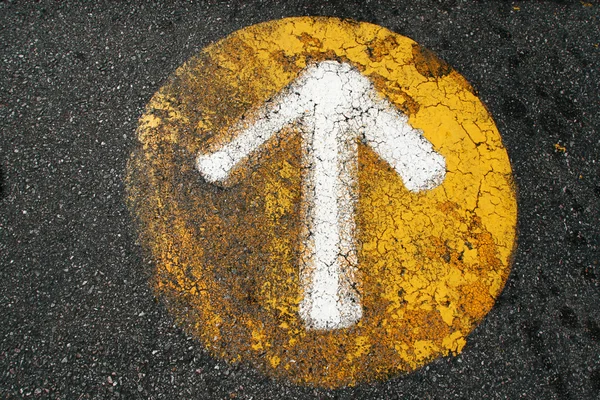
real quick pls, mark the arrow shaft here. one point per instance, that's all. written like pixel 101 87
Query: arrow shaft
pixel 329 259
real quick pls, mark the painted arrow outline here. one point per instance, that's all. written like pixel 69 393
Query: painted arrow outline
pixel 335 106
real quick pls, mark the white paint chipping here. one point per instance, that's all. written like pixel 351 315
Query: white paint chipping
pixel 336 107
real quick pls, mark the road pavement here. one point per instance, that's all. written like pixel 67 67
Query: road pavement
pixel 79 319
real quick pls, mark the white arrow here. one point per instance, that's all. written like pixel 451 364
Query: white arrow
pixel 336 107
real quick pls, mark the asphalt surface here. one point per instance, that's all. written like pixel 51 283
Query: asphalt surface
pixel 78 319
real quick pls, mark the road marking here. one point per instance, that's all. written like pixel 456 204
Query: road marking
pixel 239 167
pixel 336 106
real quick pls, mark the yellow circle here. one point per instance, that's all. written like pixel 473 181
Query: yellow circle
pixel 431 263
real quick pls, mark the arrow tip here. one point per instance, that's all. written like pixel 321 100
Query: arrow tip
pixel 214 167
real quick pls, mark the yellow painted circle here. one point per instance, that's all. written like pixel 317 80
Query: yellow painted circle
pixel 431 263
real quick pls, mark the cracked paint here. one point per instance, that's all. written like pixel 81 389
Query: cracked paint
pixel 430 262
pixel 335 108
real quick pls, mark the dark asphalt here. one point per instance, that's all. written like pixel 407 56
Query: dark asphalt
pixel 78 319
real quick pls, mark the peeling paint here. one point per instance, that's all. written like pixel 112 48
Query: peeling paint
pixel 431 263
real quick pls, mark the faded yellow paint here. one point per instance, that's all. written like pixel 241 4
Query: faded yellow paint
pixel 431 263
